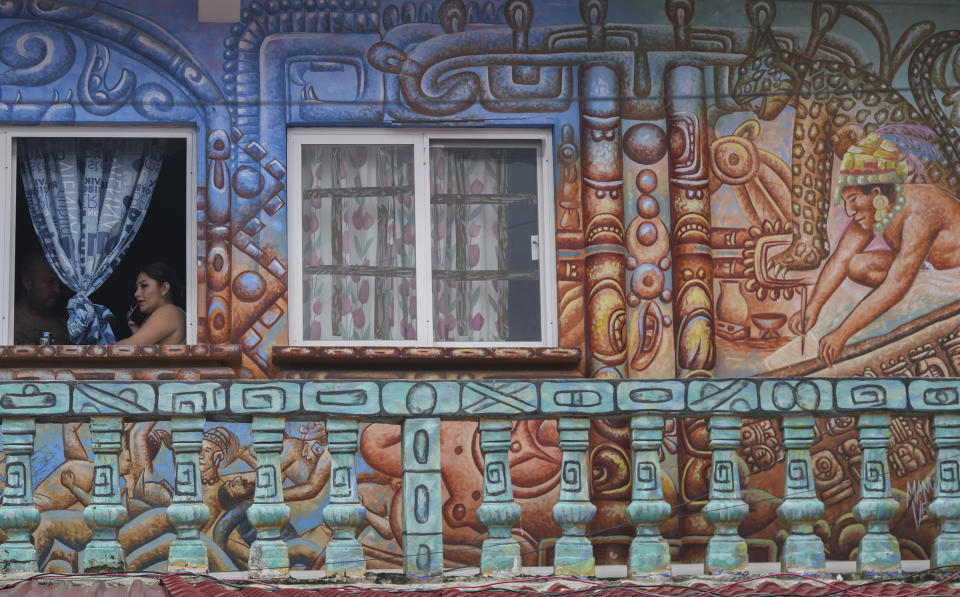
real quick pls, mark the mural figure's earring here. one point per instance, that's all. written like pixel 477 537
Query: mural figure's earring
pixel 882 204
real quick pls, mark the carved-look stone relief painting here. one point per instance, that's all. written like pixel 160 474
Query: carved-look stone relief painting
pixel 741 189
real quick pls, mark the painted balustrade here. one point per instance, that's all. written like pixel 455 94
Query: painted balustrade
pixel 269 557
pixel 573 553
pixel 422 519
pixel 879 552
pixel 421 407
pixel 187 514
pixel 500 555
pixel 945 507
pixel 18 515
pixel 803 551
pixel 727 550
pixel 344 513
pixel 649 552
pixel 106 513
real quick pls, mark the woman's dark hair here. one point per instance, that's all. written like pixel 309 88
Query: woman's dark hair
pixel 161 272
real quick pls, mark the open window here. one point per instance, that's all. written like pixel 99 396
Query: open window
pixel 421 238
pixel 144 169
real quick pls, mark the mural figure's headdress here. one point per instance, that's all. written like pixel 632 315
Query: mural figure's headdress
pixel 226 441
pixel 889 155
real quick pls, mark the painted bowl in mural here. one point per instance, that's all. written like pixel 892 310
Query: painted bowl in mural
pixel 769 324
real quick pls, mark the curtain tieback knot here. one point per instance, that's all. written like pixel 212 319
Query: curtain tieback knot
pixel 88 323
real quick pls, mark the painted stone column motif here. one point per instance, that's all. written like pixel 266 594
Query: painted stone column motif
pixel 879 552
pixel 106 512
pixel 690 218
pixel 218 260
pixel 18 516
pixel 573 554
pixel 602 199
pixel 344 514
pixel 945 508
pixel 187 514
pixel 269 556
pixel 500 554
pixel 422 499
pixel 803 551
pixel 570 260
pixel 649 552
pixel 726 550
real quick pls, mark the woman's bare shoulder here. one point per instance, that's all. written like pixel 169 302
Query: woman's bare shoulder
pixel 169 310
pixel 174 319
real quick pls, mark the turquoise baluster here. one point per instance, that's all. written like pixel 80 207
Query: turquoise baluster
pixel 803 551
pixel 573 554
pixel 879 553
pixel 187 514
pixel 945 508
pixel 344 514
pixel 726 550
pixel 422 499
pixel 500 554
pixel 269 557
pixel 18 516
pixel 649 552
pixel 106 512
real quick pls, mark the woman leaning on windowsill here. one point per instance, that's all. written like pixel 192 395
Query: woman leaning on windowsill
pixel 166 323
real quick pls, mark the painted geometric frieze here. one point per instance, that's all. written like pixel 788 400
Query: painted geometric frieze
pixel 472 399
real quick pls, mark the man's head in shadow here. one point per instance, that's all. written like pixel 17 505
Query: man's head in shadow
pixel 38 306
pixel 40 288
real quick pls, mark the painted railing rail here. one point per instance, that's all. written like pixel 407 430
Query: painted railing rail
pixel 420 406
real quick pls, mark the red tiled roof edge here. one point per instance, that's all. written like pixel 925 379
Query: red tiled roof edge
pixel 178 587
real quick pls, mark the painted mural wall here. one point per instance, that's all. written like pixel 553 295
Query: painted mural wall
pixel 741 189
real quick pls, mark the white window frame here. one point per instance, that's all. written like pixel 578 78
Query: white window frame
pixel 421 141
pixel 8 195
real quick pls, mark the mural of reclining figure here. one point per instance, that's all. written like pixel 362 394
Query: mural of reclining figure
pixel 305 468
pixel 920 224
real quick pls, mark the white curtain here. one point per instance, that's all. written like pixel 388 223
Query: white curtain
pixel 469 237
pixel 358 245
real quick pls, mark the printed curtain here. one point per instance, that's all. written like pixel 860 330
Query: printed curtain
pixel 469 241
pixel 358 243
pixel 360 252
pixel 87 198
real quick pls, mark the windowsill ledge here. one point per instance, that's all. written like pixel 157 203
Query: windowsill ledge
pixel 153 361
pixel 193 352
pixel 317 357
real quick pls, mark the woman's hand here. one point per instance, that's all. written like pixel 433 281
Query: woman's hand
pixel 165 322
pixel 133 326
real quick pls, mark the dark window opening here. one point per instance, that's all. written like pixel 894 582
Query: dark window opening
pixel 162 237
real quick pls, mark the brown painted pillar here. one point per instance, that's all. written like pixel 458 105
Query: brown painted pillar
pixel 690 218
pixel 218 260
pixel 570 266
pixel 602 194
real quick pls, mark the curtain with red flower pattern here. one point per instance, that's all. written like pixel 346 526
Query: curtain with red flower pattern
pixel 469 244
pixel 358 243
pixel 359 246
